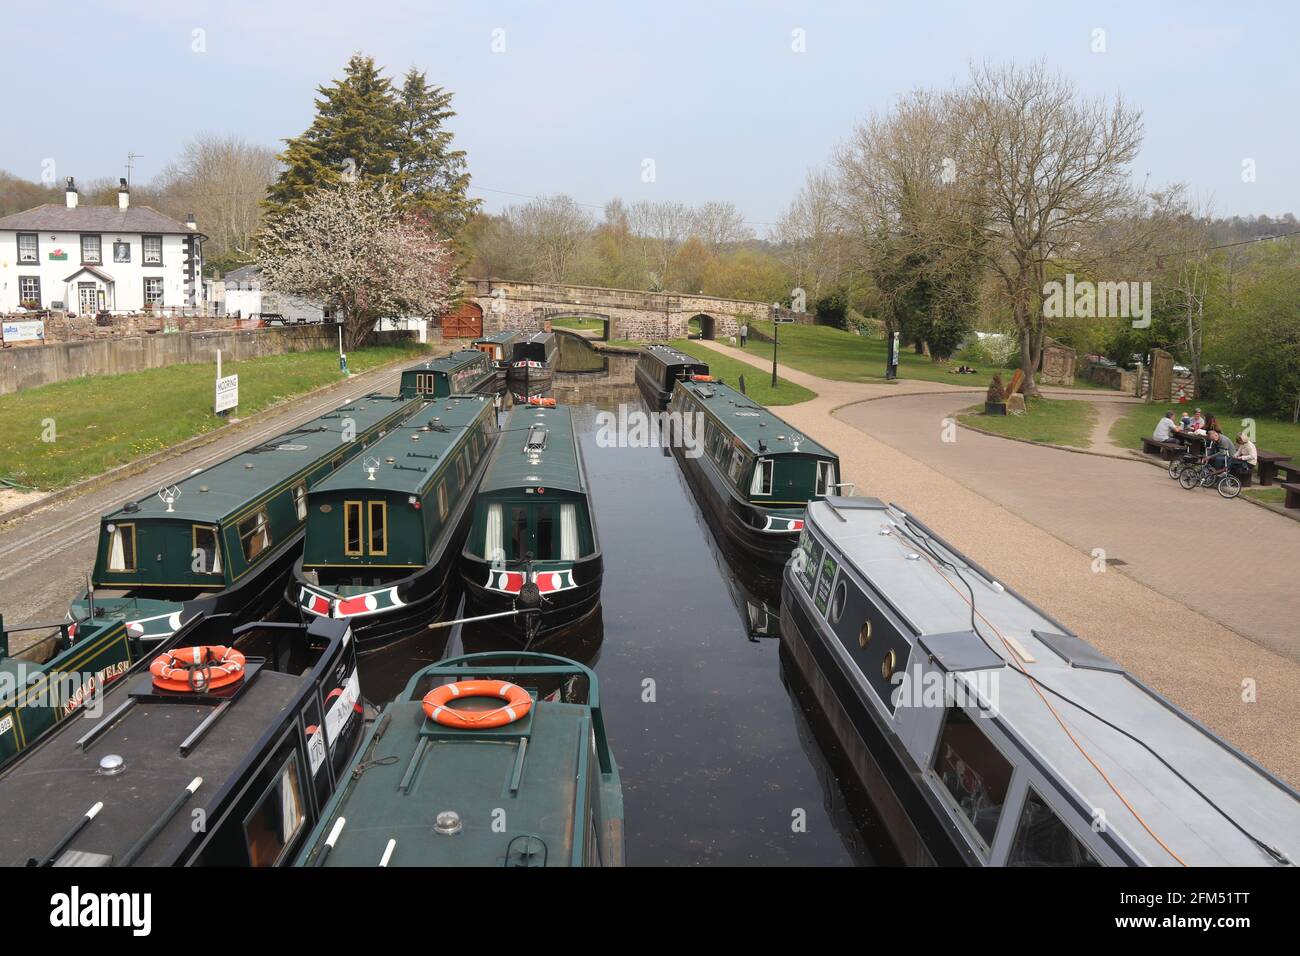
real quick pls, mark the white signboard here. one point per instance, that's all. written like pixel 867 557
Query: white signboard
pixel 32 330
pixel 339 712
pixel 227 393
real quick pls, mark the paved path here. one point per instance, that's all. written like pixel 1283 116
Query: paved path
pixel 1247 692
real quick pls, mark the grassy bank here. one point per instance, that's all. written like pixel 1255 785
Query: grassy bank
pixel 1139 422
pixel 1053 421
pixel 101 422
pixel 578 325
pixel 758 383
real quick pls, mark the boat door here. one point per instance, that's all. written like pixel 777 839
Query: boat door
pixel 533 531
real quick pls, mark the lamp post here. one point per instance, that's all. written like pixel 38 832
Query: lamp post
pixel 776 332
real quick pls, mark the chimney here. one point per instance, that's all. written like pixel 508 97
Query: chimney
pixel 191 222
pixel 71 193
pixel 123 194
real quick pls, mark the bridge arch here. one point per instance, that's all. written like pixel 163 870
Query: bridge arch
pixel 707 324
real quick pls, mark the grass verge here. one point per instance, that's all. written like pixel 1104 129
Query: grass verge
pixel 1047 420
pixel 758 383
pixel 1139 422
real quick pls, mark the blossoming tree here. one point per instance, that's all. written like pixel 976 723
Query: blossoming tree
pixel 351 245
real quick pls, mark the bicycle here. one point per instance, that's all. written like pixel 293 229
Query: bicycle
pixel 1207 475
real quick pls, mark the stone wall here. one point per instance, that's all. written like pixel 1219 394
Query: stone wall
pixel 112 355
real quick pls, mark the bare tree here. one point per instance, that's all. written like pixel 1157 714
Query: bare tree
pixel 719 224
pixel 547 234
pixel 810 237
pixel 660 228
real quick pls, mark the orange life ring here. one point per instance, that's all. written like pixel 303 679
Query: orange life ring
pixel 202 668
pixel 517 703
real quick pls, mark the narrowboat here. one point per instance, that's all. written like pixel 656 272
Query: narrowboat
pixel 385 531
pixel 751 472
pixel 533 363
pixel 492 759
pixel 460 373
pixel 499 347
pixel 987 733
pixel 658 369
pixel 232 531
pixel 532 546
pixel 249 728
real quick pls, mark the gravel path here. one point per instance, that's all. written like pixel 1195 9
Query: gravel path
pixel 1247 693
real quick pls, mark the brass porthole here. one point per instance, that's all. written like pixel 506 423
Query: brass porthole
pixel 864 635
pixel 888 664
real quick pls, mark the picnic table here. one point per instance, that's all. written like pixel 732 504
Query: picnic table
pixel 1270 463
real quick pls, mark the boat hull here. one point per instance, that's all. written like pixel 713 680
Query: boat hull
pixel 561 610
pixel 652 391
pixel 890 779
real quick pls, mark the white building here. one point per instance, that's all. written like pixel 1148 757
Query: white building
pixel 240 294
pixel 88 259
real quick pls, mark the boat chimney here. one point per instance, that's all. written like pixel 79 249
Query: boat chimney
pixel 123 194
pixel 70 194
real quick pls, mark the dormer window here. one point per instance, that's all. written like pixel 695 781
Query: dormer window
pixel 29 249
pixel 90 251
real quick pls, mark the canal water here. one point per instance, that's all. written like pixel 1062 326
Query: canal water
pixel 723 760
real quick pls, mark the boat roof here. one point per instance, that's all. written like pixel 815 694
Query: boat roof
pixel 406 459
pixel 752 423
pixel 229 486
pixel 448 363
pixel 497 337
pixel 557 465
pixel 539 337
pixel 933 602
pixel 671 356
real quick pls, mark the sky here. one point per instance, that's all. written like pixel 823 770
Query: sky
pixel 727 100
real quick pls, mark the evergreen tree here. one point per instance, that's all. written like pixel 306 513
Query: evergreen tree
pixel 431 175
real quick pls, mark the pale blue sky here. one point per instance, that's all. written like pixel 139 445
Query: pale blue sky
pixel 584 92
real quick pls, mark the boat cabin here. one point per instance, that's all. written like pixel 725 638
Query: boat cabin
pixel 538 790
pixel 257 758
pixel 460 373
pixel 538 351
pixel 658 369
pixel 499 346
pixel 215 527
pixel 1007 739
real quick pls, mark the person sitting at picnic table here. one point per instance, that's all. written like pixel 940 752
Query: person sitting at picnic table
pixel 1165 428
pixel 1225 448
pixel 1212 425
pixel 1197 423
pixel 1246 451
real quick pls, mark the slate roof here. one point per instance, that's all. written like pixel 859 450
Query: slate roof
pixel 53 217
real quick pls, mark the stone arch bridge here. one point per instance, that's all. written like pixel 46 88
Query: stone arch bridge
pixel 628 314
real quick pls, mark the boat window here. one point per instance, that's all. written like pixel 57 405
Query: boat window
pixel 825 477
pixel 838 600
pixel 569 543
pixel 351 527
pixel 518 532
pixel 300 500
pixel 972 772
pixel 378 527
pixel 545 527
pixel 442 500
pixel 277 818
pixel 121 548
pixel 207 552
pixel 493 543
pixel 1043 839
pixel 762 483
pixel 737 465
pixel 460 471
pixel 255 533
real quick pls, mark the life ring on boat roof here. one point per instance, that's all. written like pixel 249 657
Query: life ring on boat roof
pixel 199 669
pixel 517 703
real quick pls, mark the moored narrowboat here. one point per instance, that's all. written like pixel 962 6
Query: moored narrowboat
pixel 658 369
pixel 499 347
pixel 249 728
pixel 751 472
pixel 986 733
pixel 532 545
pixel 533 362
pixel 460 373
pixel 385 531
pixel 501 760
pixel 230 532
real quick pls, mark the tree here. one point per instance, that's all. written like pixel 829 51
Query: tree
pixel 353 245
pixel 719 224
pixel 809 235
pixel 430 174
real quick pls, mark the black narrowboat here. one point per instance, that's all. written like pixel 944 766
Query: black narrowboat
pixel 248 728
pixel 460 373
pixel 385 532
pixel 532 546
pixel 658 369
pixel 534 362
pixel 231 532
pixel 751 472
pixel 986 733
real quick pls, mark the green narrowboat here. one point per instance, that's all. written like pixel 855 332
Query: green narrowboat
pixel 460 373
pixel 384 532
pixel 518 772
pixel 658 368
pixel 232 531
pixel 752 473
pixel 499 347
pixel 534 362
pixel 532 545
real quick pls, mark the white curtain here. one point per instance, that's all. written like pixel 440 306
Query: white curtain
pixel 116 555
pixel 492 541
pixel 216 553
pixel 568 532
pixel 757 485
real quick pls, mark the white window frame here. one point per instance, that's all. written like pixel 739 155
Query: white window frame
pixel 145 258
pixel 36 248
pixel 825 478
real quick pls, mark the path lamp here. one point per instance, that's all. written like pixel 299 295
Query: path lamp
pixel 776 330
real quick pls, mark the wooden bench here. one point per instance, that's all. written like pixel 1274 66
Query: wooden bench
pixel 1269 463
pixel 1167 450
pixel 1292 494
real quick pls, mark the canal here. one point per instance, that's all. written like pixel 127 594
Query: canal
pixel 722 760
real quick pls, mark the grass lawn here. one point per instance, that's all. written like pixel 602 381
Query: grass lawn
pixel 581 325
pixel 758 383
pixel 1058 421
pixel 1275 434
pixel 104 421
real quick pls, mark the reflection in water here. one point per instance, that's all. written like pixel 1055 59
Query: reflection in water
pixel 717 766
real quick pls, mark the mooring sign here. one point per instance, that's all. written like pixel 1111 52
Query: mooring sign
pixel 227 393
